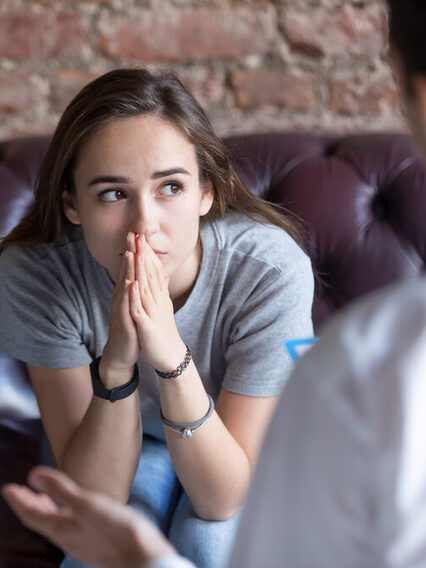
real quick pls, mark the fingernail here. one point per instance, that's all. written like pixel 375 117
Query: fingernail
pixel 127 284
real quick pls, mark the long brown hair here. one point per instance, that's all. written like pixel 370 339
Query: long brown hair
pixel 125 93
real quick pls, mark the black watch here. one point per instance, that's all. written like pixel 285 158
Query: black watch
pixel 117 393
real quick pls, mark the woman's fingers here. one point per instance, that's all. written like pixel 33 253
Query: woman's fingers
pixel 153 267
pixel 122 346
pixel 142 273
pixel 131 242
pixel 121 277
pixel 137 310
pixel 152 283
pixel 126 272
pixel 120 304
pixel 154 272
pixel 130 266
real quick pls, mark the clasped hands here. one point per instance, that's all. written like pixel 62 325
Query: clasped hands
pixel 142 317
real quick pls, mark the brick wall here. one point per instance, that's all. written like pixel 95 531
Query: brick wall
pixel 317 65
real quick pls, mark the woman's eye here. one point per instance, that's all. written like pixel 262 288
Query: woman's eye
pixel 171 188
pixel 111 195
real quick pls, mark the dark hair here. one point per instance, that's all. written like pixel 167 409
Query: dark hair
pixel 407 33
pixel 124 93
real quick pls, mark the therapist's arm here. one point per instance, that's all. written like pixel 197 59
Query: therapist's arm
pixel 88 526
pixel 309 504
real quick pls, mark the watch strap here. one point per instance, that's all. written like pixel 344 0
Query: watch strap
pixel 116 393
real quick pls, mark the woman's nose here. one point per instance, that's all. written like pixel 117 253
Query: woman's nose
pixel 146 219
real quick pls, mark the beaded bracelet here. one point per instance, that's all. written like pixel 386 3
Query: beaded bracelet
pixel 186 430
pixel 179 369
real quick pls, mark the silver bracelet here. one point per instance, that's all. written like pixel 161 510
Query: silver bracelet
pixel 186 430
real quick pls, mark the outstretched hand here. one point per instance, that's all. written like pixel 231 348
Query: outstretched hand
pixel 88 526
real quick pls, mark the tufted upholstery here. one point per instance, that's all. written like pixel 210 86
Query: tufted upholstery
pixel 360 199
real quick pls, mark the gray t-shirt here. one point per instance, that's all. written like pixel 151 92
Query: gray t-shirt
pixel 254 292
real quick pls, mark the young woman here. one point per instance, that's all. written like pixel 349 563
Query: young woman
pixel 150 295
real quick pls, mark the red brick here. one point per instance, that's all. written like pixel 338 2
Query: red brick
pixel 66 83
pixel 207 86
pixel 381 96
pixel 178 35
pixel 377 94
pixel 345 31
pixel 18 91
pixel 25 35
pixel 295 90
pixel 343 96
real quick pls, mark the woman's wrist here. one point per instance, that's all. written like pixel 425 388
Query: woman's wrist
pixel 171 358
pixel 112 377
pixel 174 373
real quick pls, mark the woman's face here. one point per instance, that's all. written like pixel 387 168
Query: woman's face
pixel 140 174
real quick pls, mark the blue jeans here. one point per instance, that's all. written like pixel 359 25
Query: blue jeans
pixel 157 493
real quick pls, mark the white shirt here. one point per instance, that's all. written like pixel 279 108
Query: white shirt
pixel 341 480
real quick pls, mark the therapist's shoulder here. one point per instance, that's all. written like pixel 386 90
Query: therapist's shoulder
pixel 402 303
pixel 383 325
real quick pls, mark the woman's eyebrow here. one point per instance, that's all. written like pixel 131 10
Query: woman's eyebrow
pixel 109 179
pixel 169 172
pixel 121 179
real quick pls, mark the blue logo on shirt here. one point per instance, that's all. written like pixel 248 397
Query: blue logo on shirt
pixel 297 347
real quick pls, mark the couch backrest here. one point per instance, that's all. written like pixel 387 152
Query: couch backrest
pixel 360 199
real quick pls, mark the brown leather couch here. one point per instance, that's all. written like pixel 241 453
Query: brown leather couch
pixel 360 199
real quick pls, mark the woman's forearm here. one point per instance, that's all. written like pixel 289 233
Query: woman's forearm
pixel 104 450
pixel 212 467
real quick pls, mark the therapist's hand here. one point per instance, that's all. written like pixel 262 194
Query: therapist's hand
pixel 88 526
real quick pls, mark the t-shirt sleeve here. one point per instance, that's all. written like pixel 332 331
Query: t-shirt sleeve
pixel 279 309
pixel 40 321
pixel 341 476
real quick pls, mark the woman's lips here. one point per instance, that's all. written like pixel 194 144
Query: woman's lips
pixel 160 253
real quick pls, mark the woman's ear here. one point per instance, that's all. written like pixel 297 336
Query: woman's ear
pixel 70 208
pixel 207 198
